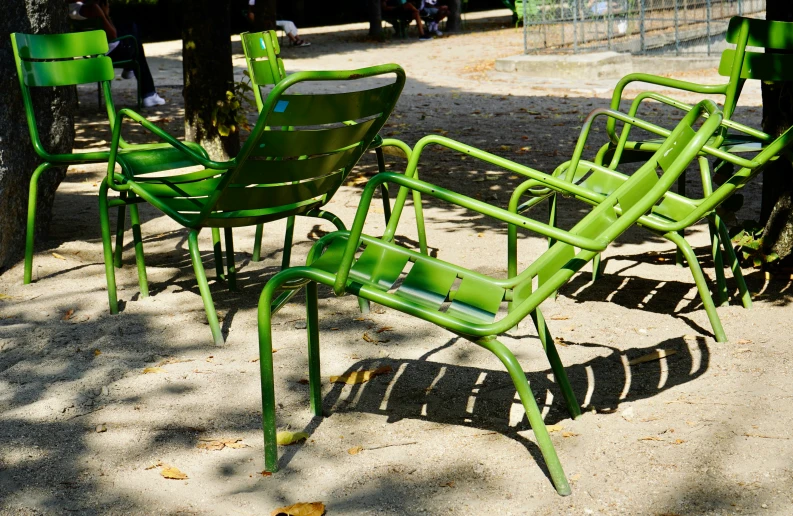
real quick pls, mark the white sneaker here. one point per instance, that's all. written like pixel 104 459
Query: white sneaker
pixel 128 74
pixel 153 100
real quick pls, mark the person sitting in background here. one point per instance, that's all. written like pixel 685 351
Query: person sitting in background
pixel 405 9
pixel 123 50
pixel 285 25
pixel 430 9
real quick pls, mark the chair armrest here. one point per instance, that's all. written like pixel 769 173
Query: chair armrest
pixel 114 146
pixel 706 89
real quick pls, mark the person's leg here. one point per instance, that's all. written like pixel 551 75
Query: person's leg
pixel 416 15
pixel 291 32
pixel 442 13
pixel 126 50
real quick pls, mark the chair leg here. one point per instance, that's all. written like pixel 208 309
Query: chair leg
pixel 267 384
pixel 288 236
pixel 702 285
pixel 110 273
pixel 217 248
pixel 383 187
pixel 231 268
pixel 559 373
pixel 143 281
pixel 312 329
pixel 137 80
pixel 30 236
pixel 722 296
pixel 532 412
pixel 203 287
pixel 735 265
pixel 122 216
pixel 257 244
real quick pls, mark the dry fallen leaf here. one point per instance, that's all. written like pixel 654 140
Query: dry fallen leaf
pixel 560 341
pixel 285 437
pixel 56 255
pixel 385 328
pixel 355 450
pixel 172 473
pixel 101 428
pixel 744 341
pixel 569 434
pixel 360 376
pixel 68 315
pixel 266 473
pixel 374 340
pixel 301 509
pixel 5 296
pixel 559 317
pixel 650 438
pixel 152 370
pixel 655 355
pixel 679 441
pixel 97 352
pixel 157 465
pixel 448 484
pixel 554 428
pixel 219 444
pixel 575 477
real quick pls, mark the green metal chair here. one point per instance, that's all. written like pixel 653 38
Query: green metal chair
pixel 430 289
pixel 266 68
pixel 676 212
pixel 738 64
pixel 277 173
pixel 44 61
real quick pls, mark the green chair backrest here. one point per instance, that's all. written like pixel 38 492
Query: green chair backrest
pixel 742 63
pixel 265 67
pixel 302 147
pixel 47 60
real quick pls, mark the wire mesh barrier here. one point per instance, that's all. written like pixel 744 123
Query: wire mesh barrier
pixel 635 26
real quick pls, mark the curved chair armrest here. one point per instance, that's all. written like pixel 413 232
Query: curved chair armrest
pixel 616 98
pixel 181 146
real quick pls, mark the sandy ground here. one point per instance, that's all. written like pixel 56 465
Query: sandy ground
pixel 84 431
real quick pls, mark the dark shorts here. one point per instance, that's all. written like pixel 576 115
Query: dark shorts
pixel 428 11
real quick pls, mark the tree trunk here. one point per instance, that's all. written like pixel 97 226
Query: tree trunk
pixel 54 108
pixel 776 211
pixel 375 13
pixel 455 21
pixel 208 75
pixel 264 15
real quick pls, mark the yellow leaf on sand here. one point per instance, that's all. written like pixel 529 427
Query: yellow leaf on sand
pixel 219 444
pixel 569 434
pixel 152 370
pixel 655 355
pixel 360 376
pixel 560 317
pixel 68 315
pixel 285 437
pixel 355 450
pixel 5 296
pixel 172 473
pixel 554 428
pixel 56 255
pixel 301 509
pixel 97 352
pixel 650 438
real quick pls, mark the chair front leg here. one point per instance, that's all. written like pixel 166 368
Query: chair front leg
pixel 312 329
pixel 267 382
pixel 722 296
pixel 257 243
pixel 104 222
pixel 30 236
pixel 383 187
pixel 701 283
pixel 217 249
pixel 203 287
pixel 735 265
pixel 532 412
pixel 231 267
pixel 288 237
pixel 122 216
pixel 134 216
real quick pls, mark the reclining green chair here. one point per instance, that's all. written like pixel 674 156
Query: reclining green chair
pixel 470 310
pixel 675 212
pixel 277 173
pixel 44 61
pixel 266 68
pixel 738 64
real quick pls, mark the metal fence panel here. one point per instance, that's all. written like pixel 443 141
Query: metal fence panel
pixel 635 26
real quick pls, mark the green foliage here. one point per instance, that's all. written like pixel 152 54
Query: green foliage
pixel 229 113
pixel 749 240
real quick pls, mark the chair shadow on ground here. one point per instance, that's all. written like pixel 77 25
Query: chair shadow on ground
pixel 487 400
